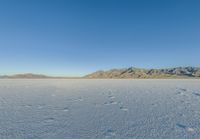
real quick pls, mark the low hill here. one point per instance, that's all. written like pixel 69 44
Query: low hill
pixel 26 76
pixel 179 72
pixel 34 76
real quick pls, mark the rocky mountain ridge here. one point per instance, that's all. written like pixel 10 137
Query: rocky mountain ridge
pixel 132 72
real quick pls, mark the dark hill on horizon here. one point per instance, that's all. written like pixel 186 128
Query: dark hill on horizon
pixel 139 73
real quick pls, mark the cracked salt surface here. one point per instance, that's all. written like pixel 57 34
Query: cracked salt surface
pixel 101 109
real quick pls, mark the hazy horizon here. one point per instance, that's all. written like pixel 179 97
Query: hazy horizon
pixel 74 38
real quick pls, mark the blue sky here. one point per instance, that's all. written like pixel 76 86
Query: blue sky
pixel 76 37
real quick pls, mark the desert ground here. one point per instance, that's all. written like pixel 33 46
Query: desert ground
pixel 99 109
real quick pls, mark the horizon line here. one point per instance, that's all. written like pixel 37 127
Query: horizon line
pixel 82 75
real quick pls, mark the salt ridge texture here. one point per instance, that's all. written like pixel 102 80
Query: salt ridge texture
pixel 99 109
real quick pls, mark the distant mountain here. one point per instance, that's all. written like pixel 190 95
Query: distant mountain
pixel 125 73
pixel 135 73
pixel 34 76
pixel 27 76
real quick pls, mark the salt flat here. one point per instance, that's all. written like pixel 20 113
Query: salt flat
pixel 99 109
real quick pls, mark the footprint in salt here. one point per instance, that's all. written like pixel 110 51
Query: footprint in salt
pixel 123 108
pixel 66 109
pixel 109 134
pixel 113 102
pixel 188 129
pixel 49 120
pixel 196 94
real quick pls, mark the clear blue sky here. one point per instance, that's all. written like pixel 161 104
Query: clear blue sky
pixel 75 37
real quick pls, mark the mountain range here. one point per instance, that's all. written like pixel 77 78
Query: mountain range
pixel 125 73
pixel 135 73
